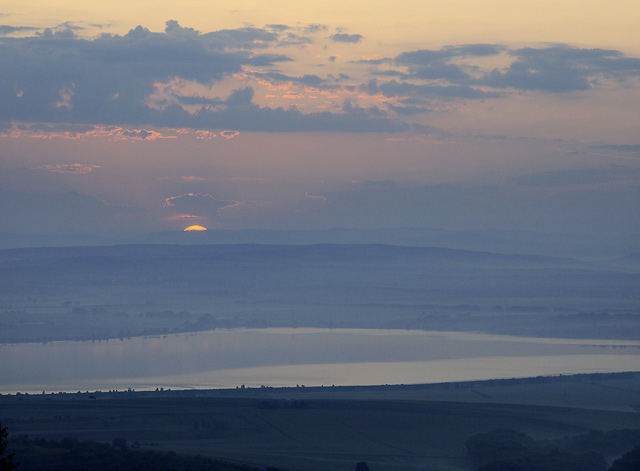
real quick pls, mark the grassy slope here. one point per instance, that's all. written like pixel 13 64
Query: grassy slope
pixel 327 434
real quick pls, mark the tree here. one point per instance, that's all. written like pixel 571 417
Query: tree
pixel 6 462
pixel 120 443
pixel 362 466
pixel 629 462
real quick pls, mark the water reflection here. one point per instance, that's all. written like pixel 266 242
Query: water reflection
pixel 285 357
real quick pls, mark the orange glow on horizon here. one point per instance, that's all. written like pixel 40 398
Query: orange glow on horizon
pixel 195 228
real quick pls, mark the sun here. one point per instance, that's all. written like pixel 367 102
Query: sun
pixel 195 228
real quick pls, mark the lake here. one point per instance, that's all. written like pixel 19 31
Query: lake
pixel 300 356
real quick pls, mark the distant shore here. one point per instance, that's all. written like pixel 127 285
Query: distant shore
pixel 578 390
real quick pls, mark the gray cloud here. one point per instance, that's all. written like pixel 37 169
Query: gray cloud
pixel 57 77
pixel 294 39
pixel 620 147
pixel 136 133
pixel 425 56
pixel 485 207
pixel 71 169
pixel 587 176
pixel 394 88
pixel 561 69
pixel 278 27
pixel 107 79
pixel 554 69
pixel 346 38
pixel 376 61
pixel 312 28
pixel 308 80
pixel 379 184
pixel 198 100
pixel 61 213
pixel 242 114
pixel 71 129
pixel 241 38
pixel 330 83
pixel 409 110
pixel 433 64
pixel 7 29
pixel 197 203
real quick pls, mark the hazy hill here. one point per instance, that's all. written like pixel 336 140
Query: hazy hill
pixel 582 245
pixel 118 290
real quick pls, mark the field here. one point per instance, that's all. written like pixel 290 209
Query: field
pixel 333 428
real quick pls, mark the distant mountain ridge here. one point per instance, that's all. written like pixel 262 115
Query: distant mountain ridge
pixel 571 245
pixel 255 252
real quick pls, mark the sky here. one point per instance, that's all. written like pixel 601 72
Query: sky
pixel 121 118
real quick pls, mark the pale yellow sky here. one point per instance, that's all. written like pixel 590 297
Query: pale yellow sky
pixel 609 24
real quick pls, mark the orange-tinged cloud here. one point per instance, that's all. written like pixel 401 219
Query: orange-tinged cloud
pixel 205 134
pixel 191 178
pixel 112 133
pixel 315 197
pixel 74 169
pixel 195 227
pixel 184 216
pixel 229 134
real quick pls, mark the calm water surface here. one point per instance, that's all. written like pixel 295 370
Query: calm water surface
pixel 313 357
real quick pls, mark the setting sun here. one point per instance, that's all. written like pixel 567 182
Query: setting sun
pixel 195 228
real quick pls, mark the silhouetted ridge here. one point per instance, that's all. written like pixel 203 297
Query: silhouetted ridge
pixel 127 254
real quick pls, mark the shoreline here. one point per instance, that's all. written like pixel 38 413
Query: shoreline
pixel 308 391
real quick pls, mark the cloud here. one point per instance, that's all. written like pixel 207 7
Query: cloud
pixel 190 178
pixel 586 210
pixel 201 205
pixel 80 131
pixel 7 29
pixel 111 76
pixel 434 64
pixel 309 80
pixel 241 114
pixel 139 134
pixel 197 202
pixel 113 80
pixel 73 169
pixel 553 69
pixel 198 100
pixel 620 147
pixel 60 213
pixel 394 88
pixel 588 176
pixel 561 69
pixel 409 110
pixel 241 38
pixel 312 28
pixel 278 27
pixel 423 57
pixel 374 60
pixel 290 39
pixel 201 134
pixel 346 38
pixel 313 197
pixel 167 79
pixel 229 134
pixel 379 184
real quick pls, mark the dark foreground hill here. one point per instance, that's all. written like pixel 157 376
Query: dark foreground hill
pixel 304 431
